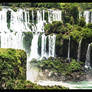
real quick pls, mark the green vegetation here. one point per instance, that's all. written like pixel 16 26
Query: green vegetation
pixel 28 5
pixel 12 65
pixel 81 6
pixel 60 67
pixel 13 71
pixel 61 46
pixel 76 31
pixel 13 62
pixel 23 84
pixel 0 8
pixel 70 14
pixel 56 26
pixel 14 8
pixel 82 22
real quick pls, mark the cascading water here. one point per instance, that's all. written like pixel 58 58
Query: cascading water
pixel 34 47
pixel 86 15
pixel 52 45
pixel 17 22
pixel 91 17
pixel 54 15
pixel 11 40
pixel 43 49
pixel 11 35
pixel 69 50
pixel 79 50
pixel 3 21
pixel 87 62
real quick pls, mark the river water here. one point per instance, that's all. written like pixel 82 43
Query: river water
pixel 70 85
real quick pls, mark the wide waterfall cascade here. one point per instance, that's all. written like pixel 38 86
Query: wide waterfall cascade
pixel 18 21
pixel 54 15
pixel 79 50
pixel 13 24
pixel 11 40
pixel 3 21
pixel 87 62
pixel 69 50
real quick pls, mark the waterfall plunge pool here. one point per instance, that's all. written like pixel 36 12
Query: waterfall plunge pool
pixel 70 84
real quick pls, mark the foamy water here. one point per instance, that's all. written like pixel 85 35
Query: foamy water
pixel 70 85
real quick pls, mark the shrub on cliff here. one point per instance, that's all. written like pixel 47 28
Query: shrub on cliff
pixel 59 66
pixel 89 25
pixel 82 22
pixel 12 65
pixel 54 27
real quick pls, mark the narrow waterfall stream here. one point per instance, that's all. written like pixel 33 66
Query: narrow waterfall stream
pixel 52 45
pixel 43 49
pixel 86 15
pixel 34 47
pixel 79 50
pixel 69 50
pixel 87 62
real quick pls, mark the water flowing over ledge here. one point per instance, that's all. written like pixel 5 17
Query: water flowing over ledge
pixel 14 24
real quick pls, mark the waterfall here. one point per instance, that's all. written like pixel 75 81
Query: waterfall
pixel 54 15
pixel 52 45
pixel 11 40
pixel 17 24
pixel 79 50
pixel 11 32
pixel 34 47
pixel 43 49
pixel 86 15
pixel 87 62
pixel 3 21
pixel 80 14
pixel 69 50
pixel 91 17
